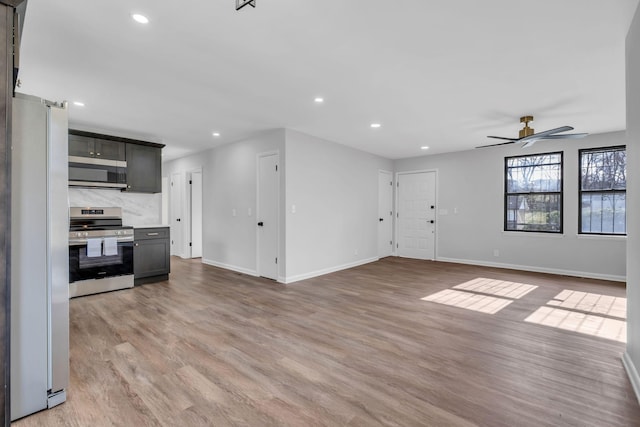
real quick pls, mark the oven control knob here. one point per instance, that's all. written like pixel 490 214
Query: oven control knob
pixel 86 233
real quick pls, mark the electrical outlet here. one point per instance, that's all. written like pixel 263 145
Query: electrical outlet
pixel 234 212
pixel 355 252
pixel 496 253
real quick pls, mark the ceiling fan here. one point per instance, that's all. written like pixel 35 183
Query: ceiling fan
pixel 528 136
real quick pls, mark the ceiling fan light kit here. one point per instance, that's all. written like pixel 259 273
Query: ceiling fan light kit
pixel 528 137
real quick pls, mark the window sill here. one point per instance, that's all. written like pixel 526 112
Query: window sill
pixel 601 236
pixel 533 233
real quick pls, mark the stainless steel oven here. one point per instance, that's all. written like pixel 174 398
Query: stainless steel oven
pixel 100 251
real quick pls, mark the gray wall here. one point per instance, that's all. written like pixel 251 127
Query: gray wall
pixel 229 178
pixel 473 183
pixel 335 192
pixel 334 189
pixel 632 355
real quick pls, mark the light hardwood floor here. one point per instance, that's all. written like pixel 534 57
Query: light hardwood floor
pixel 358 347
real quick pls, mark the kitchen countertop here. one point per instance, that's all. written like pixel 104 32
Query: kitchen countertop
pixel 151 226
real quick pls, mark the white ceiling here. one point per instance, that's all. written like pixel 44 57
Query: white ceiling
pixel 439 73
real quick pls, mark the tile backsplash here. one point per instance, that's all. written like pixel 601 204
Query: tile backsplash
pixel 137 208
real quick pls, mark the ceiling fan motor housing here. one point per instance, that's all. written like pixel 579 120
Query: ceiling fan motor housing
pixel 526 130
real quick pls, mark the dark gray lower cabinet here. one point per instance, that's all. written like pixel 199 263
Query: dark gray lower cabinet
pixel 151 250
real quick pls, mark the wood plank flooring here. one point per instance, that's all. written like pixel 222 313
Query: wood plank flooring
pixel 358 347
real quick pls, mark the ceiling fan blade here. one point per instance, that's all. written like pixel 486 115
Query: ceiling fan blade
pixel 567 136
pixel 551 131
pixel 529 142
pixel 502 137
pixel 500 143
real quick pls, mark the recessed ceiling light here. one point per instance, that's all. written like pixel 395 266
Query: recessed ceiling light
pixel 318 100
pixel 375 125
pixel 78 103
pixel 140 18
pixel 216 134
pixel 424 147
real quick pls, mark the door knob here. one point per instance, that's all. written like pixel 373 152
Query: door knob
pixel 432 221
pixel 178 219
pixel 380 219
pixel 260 224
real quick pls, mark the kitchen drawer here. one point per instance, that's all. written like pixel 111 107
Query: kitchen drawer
pixel 151 233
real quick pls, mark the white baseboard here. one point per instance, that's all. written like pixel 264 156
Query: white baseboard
pixel 230 267
pixel 562 272
pixel 324 271
pixel 632 373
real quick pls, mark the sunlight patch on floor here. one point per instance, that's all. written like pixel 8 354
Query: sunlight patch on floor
pixel 592 303
pixel 500 288
pixel 469 301
pixel 603 327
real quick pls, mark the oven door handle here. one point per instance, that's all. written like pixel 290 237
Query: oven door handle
pixel 83 242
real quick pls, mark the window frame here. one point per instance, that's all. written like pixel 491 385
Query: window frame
pixel 612 191
pixel 560 193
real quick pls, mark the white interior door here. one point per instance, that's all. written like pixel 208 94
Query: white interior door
pixel 416 215
pixel 177 203
pixel 196 214
pixel 267 215
pixel 385 214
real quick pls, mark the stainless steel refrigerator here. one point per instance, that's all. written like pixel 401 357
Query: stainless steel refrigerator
pixel 39 256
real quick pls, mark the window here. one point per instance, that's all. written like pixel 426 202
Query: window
pixel 533 193
pixel 603 191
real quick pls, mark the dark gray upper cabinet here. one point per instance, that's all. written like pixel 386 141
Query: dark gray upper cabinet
pixel 85 146
pixel 143 159
pixel 144 169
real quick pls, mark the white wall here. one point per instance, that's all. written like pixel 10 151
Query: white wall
pixel 632 355
pixel 335 192
pixel 229 181
pixel 473 182
pixel 137 208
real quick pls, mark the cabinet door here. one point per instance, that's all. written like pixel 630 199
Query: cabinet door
pixel 150 258
pixel 111 150
pixel 81 146
pixel 144 165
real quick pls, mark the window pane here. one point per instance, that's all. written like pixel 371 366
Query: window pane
pixel 534 174
pixel 604 213
pixel 534 212
pixel 534 193
pixel 603 210
pixel 604 169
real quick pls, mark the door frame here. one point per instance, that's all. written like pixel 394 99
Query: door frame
pixel 181 202
pixel 187 231
pixel 437 216
pixel 393 210
pixel 278 213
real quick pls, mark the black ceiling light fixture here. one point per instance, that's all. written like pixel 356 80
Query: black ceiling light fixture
pixel 242 3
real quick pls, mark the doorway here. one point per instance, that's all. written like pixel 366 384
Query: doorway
pixel 416 215
pixel 385 214
pixel 267 215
